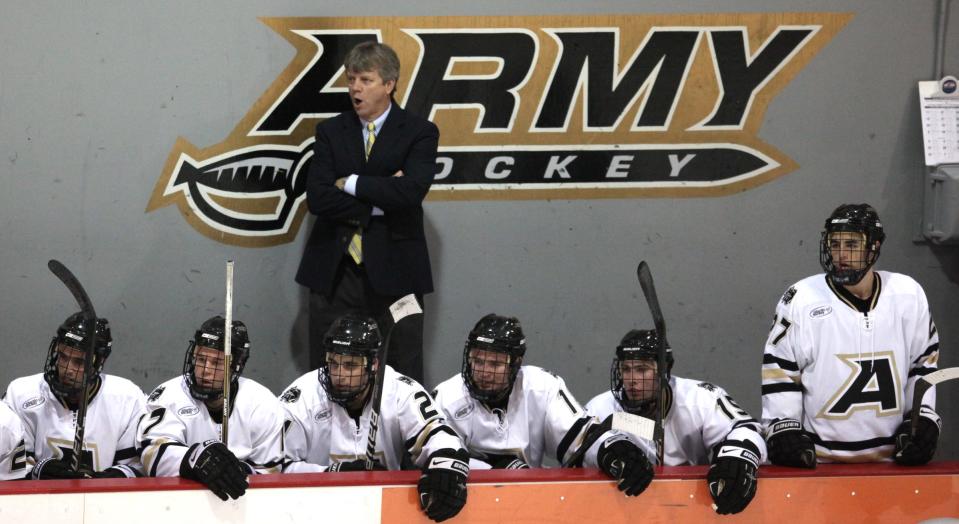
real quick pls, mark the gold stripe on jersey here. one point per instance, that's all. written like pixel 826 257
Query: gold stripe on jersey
pixel 422 437
pixel 779 374
pixel 855 370
pixel 875 456
pixel 149 452
pixel 336 458
pixel 930 360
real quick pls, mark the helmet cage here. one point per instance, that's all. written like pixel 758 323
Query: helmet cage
pixel 350 335
pixel 74 333
pixel 487 395
pixel 638 345
pixel 854 218
pixel 211 335
pixel 497 334
pixel 644 407
pixel 346 395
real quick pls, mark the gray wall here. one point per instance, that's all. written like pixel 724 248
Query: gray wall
pixel 93 95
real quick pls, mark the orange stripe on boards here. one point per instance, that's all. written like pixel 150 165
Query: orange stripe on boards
pixel 809 499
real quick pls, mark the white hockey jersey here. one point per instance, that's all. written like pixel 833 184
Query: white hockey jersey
pixel 542 419
pixel 847 370
pixel 321 432
pixel 699 415
pixel 49 425
pixel 175 421
pixel 13 457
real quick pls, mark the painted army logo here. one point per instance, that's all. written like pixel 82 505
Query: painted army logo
pixel 534 107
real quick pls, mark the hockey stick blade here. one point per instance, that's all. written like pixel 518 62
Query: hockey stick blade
pixel 636 425
pixel 90 316
pixel 649 291
pixel 923 385
pixel 73 285
pixel 652 301
pixel 402 308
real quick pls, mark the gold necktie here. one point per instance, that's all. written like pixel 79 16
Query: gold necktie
pixel 370 138
pixel 356 242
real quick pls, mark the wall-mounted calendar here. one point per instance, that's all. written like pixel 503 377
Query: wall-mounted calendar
pixel 939 103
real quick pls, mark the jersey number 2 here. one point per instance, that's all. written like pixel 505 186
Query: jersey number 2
pixel 426 405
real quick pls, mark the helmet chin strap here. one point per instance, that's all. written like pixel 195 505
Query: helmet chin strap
pixel 848 278
pixel 646 408
pixel 851 277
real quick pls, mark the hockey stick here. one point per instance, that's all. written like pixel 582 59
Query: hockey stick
pixel 400 309
pixel 649 290
pixel 90 317
pixel 640 426
pixel 227 355
pixel 922 385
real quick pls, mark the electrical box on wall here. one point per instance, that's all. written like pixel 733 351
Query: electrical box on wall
pixel 940 221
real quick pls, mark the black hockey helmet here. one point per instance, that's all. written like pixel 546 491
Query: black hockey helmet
pixel 638 344
pixel 211 335
pixel 350 335
pixel 501 335
pixel 75 333
pixel 856 218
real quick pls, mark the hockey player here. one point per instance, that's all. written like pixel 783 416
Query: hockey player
pixel 703 424
pixel 329 412
pixel 511 416
pixel 13 457
pixel 843 356
pixel 47 404
pixel 181 431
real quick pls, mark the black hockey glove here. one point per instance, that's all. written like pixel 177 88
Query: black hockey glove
pixel 356 465
pixel 442 487
pixel 52 469
pixel 109 473
pixel 625 462
pixel 789 445
pixel 506 462
pixel 732 476
pixel 918 450
pixel 217 467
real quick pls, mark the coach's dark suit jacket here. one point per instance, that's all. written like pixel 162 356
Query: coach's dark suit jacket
pixel 394 245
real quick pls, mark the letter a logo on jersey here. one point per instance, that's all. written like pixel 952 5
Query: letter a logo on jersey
pixel 872 384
